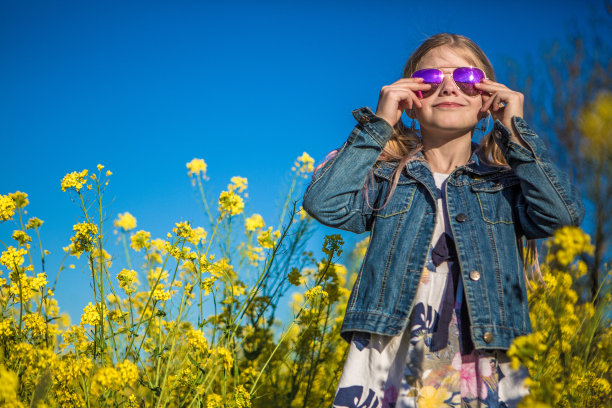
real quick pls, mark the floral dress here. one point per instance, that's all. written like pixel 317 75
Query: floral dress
pixel 433 363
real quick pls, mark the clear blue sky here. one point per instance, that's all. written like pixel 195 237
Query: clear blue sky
pixel 144 87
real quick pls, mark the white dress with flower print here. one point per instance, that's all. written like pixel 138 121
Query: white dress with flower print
pixel 433 363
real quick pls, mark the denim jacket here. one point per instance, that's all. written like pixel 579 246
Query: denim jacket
pixel 490 208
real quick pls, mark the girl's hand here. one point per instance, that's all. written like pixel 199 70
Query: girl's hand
pixel 503 103
pixel 398 97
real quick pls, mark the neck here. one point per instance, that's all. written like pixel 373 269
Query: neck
pixel 445 152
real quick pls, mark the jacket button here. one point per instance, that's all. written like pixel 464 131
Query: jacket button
pixel 488 337
pixel 461 217
pixel 364 119
pixel 474 275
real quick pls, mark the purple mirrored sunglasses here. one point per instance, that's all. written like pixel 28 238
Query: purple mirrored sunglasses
pixel 464 77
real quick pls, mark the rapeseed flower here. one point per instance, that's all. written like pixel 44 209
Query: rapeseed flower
pixel 267 238
pixel 125 221
pixel 230 203
pixel 303 165
pixel 21 237
pixel 12 258
pixel 128 372
pixel 35 323
pixel 254 222
pixel 7 208
pixel 238 184
pixel 195 167
pixel 315 294
pixel 128 280
pixel 83 240
pixel 140 240
pixel 242 398
pixel 74 180
pixel 197 340
pixel 20 199
pixel 91 314
pixel 34 223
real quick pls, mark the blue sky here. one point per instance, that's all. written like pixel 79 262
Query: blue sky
pixel 144 87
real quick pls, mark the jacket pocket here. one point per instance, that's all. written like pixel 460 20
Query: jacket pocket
pixel 398 203
pixel 495 198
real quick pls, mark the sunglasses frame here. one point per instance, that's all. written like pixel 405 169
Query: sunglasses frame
pixel 457 83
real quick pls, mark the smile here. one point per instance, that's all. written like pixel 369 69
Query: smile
pixel 448 105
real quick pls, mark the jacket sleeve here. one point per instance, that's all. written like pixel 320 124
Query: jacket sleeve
pixel 335 196
pixel 548 201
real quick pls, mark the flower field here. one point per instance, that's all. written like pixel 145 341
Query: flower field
pixel 193 318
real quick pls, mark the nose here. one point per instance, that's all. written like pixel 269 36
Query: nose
pixel 448 86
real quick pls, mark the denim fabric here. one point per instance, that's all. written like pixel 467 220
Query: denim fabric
pixel 490 208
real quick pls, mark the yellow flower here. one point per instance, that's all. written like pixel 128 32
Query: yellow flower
pixel 128 372
pixel 431 397
pixel 9 384
pixel 35 323
pixel 267 238
pixel 128 280
pixel 316 293
pixel 304 164
pixel 197 340
pixel 100 167
pixel 7 208
pixel 125 221
pixel 6 329
pixel 254 222
pixel 91 314
pixel 196 166
pixel 237 184
pixel 225 355
pixel 12 258
pixel 74 180
pixel 162 295
pixel 34 223
pixel 140 240
pixel 20 199
pixel 84 237
pixel 21 237
pixel 242 398
pixel 596 125
pixel 230 203
pixel 214 401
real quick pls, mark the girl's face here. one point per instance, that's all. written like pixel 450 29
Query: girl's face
pixel 447 109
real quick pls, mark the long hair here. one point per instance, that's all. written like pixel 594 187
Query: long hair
pixel 405 143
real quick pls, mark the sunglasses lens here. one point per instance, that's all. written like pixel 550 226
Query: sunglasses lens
pixel 466 77
pixel 430 76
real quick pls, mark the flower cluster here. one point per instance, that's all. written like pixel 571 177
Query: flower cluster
pixel 84 238
pixel 75 180
pixel 230 203
pixel 303 165
pixel 196 167
pixel 125 221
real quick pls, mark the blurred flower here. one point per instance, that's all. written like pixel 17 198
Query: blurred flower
pixel 196 166
pixel 315 294
pixel 34 223
pixel 267 238
pixel 128 280
pixel 230 203
pixel 140 240
pixel 237 184
pixel 125 221
pixel 254 222
pixel 304 164
pixel 20 199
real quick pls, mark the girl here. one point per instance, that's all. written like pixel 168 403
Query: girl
pixel 441 292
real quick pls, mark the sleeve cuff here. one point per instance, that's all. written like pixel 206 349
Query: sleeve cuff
pixel 510 149
pixel 380 130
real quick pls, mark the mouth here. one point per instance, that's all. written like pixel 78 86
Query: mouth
pixel 448 105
